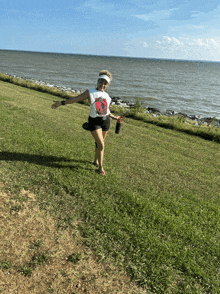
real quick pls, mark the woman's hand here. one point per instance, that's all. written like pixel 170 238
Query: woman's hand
pixel 56 104
pixel 114 117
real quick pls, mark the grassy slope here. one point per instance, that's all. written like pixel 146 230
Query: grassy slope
pixel 157 211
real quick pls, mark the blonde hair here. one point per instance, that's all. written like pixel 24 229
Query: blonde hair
pixel 107 73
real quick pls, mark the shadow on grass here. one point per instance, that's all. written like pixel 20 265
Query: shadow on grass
pixel 44 160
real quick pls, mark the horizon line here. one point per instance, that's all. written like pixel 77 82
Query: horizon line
pixel 113 56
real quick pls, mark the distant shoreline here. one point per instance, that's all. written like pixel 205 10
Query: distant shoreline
pixel 113 56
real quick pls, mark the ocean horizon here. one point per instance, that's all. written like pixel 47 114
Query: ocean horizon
pixel 119 56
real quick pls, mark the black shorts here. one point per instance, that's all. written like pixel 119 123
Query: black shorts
pixel 99 123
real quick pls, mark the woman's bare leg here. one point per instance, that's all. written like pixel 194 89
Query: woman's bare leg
pixel 99 137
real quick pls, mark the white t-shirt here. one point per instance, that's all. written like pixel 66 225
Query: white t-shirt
pixel 100 102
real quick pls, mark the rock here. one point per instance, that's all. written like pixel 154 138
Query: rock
pixel 169 112
pixel 152 109
pixel 181 114
pixel 193 117
pixel 117 100
pixel 216 123
pixel 206 119
pixel 123 104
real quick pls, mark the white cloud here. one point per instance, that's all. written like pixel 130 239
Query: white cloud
pixel 165 41
pixel 156 16
pixel 145 45
pixel 171 41
pixel 212 44
pixel 175 48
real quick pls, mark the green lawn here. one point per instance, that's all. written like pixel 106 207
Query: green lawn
pixel 156 213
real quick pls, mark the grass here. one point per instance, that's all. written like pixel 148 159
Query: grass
pixel 178 123
pixel 34 86
pixel 37 257
pixel 155 215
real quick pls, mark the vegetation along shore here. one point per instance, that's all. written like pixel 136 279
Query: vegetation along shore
pixel 150 226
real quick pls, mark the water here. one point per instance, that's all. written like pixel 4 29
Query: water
pixel 184 86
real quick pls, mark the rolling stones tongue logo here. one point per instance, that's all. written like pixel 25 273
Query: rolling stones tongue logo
pixel 101 106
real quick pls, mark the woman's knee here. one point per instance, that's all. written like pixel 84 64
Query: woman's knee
pixel 99 141
pixel 100 145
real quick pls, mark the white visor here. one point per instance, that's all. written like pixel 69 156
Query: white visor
pixel 105 78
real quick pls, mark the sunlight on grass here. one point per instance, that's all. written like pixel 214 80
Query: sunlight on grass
pixel 155 214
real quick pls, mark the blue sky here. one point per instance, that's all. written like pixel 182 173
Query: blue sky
pixel 170 29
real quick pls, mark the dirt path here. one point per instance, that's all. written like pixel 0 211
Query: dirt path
pixel 36 257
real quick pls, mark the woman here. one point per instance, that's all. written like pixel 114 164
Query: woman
pixel 99 116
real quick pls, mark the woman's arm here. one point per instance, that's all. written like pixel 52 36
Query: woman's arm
pixel 81 97
pixel 113 116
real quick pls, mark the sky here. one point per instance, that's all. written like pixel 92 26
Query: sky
pixel 169 29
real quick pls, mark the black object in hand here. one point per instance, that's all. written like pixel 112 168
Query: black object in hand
pixel 118 126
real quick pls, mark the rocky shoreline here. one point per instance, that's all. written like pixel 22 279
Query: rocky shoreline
pixel 195 119
pixel 41 83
